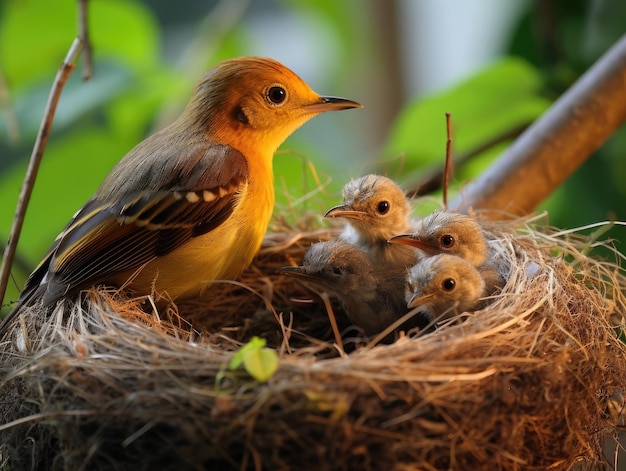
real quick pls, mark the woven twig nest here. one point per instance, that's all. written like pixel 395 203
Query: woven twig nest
pixel 533 381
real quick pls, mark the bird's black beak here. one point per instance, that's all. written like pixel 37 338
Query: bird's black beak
pixel 411 241
pixel 332 103
pixel 342 212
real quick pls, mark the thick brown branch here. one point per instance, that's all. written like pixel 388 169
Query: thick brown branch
pixel 557 143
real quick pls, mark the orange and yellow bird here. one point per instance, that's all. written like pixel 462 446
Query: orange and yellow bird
pixel 191 203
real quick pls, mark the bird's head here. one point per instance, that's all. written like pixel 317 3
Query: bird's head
pixel 444 283
pixel 375 206
pixel 336 266
pixel 255 102
pixel 448 233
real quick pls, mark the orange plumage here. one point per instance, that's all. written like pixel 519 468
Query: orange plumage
pixel 191 203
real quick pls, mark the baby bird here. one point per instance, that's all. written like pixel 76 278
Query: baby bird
pixel 448 232
pixel 445 232
pixel 373 298
pixel 444 285
pixel 376 209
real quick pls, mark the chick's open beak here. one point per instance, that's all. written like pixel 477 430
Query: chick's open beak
pixel 332 103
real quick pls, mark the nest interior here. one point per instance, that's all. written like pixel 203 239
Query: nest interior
pixel 532 381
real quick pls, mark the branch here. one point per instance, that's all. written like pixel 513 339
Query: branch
pixel 433 182
pixel 83 33
pixel 557 143
pixel 35 159
pixel 448 162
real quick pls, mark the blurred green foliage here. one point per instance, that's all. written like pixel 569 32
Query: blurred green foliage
pixel 504 96
pixel 137 89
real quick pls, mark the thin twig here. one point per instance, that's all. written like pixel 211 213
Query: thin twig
pixel 20 263
pixel 433 181
pixel 448 163
pixel 35 159
pixel 83 32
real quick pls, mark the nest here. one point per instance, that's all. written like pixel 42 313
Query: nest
pixel 533 381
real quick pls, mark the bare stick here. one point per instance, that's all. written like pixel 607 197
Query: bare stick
pixel 35 159
pixel 83 32
pixel 557 143
pixel 448 163
pixel 433 181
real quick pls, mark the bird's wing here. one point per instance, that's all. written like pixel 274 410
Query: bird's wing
pixel 106 238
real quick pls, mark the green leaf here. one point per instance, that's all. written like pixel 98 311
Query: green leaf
pixel 125 30
pixel 496 100
pixel 261 363
pixel 78 100
pixel 254 344
pixel 35 36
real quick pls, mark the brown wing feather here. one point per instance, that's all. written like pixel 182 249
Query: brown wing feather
pixel 109 237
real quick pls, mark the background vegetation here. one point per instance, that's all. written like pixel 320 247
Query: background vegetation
pixel 149 54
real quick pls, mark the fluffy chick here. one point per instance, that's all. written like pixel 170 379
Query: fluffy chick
pixel 372 298
pixel 446 232
pixel 443 285
pixel 375 209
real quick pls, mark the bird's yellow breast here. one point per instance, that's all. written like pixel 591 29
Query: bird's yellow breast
pixel 222 253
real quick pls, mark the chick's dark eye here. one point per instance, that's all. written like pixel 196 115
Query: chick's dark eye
pixel 276 94
pixel 447 241
pixel 337 271
pixel 448 284
pixel 383 207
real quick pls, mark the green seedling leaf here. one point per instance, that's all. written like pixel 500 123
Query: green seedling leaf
pixel 255 343
pixel 259 362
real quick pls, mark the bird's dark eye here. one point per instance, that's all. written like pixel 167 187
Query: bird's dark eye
pixel 276 94
pixel 383 207
pixel 337 271
pixel 447 241
pixel 448 284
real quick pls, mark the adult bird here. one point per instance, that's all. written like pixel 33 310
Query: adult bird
pixel 448 232
pixel 443 285
pixel 191 203
pixel 373 298
pixel 375 209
